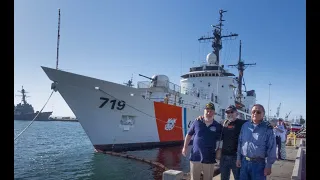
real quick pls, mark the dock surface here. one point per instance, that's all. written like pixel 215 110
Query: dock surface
pixel 281 169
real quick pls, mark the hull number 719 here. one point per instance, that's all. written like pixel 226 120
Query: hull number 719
pixel 120 104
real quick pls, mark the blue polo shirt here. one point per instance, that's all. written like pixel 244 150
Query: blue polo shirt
pixel 204 141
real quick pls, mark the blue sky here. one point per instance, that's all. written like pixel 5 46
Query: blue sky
pixel 113 40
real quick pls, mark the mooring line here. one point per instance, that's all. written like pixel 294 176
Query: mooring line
pixel 128 156
pixel 34 117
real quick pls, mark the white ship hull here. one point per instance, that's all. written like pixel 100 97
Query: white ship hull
pixel 138 124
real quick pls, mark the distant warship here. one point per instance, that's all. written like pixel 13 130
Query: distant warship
pixel 25 111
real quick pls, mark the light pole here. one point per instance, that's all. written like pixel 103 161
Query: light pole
pixel 269 101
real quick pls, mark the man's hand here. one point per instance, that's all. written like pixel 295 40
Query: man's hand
pixel 200 118
pixel 238 163
pixel 184 151
pixel 267 171
pixel 279 129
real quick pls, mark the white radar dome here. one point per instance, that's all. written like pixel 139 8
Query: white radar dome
pixel 211 59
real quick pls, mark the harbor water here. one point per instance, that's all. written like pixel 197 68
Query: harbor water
pixel 62 150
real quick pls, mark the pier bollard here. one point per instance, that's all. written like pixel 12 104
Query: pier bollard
pixel 172 175
pixel 291 139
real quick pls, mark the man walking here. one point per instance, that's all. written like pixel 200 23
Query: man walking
pixel 206 134
pixel 280 138
pixel 257 147
pixel 230 135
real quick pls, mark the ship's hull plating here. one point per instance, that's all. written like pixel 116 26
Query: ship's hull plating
pixel 117 117
pixel 43 116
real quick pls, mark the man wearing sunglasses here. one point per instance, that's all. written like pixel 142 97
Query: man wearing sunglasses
pixel 230 135
pixel 257 147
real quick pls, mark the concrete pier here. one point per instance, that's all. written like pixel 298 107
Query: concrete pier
pixel 299 170
pixel 291 168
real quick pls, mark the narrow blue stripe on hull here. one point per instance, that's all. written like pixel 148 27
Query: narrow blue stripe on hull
pixel 185 121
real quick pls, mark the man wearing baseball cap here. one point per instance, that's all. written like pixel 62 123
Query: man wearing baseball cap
pixel 230 135
pixel 206 133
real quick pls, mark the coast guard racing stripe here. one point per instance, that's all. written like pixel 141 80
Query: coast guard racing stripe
pixel 169 122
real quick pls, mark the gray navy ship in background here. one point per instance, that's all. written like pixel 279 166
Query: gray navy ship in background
pixel 25 111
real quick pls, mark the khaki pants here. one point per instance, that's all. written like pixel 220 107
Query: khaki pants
pixel 197 167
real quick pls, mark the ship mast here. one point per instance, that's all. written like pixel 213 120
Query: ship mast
pixel 217 37
pixel 23 92
pixel 58 41
pixel 241 67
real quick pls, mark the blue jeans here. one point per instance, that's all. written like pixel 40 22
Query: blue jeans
pixel 252 170
pixel 228 163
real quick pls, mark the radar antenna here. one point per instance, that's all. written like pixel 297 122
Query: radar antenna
pixel 217 37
